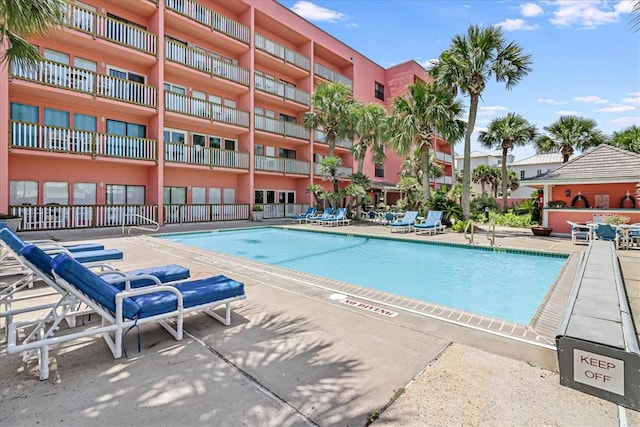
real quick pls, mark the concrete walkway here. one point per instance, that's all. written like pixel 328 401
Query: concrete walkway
pixel 293 356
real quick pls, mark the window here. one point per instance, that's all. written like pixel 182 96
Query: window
pixel 286 196
pixel 174 195
pixel 521 174
pixel 379 91
pixel 84 122
pixel 125 194
pixel 135 130
pixel 379 170
pixel 215 195
pixel 84 193
pixel 198 140
pixel 258 196
pixel 175 136
pixel 258 149
pixel 23 193
pixel 85 64
pixel 24 113
pixel 287 154
pixel 270 151
pixel 229 196
pixel 539 172
pixel 286 118
pixel 24 135
pixel 271 196
pixel 124 147
pixel 55 192
pixel 198 195
pixel 57 137
pixel 215 142
pixel 56 56
pixel 230 144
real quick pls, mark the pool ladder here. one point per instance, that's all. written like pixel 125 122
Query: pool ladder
pixel 468 232
pixel 492 230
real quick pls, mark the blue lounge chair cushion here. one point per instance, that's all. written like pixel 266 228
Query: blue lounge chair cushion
pixel 95 256
pixel 194 292
pixel 310 212
pixel 91 285
pixel 11 239
pixel 38 257
pixel 164 273
pixel 83 247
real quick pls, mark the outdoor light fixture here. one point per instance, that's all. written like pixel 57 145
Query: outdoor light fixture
pixel 567 192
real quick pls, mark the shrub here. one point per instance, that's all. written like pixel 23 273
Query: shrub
pixel 483 201
pixel 510 219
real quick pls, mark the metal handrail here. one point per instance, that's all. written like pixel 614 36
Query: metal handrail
pixel 492 227
pixel 466 228
pixel 137 227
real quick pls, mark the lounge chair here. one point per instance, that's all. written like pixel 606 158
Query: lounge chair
pixel 303 217
pixel 121 309
pixel 432 224
pixel 580 233
pixel 340 218
pixel 608 233
pixel 317 218
pixel 406 223
pixel 77 247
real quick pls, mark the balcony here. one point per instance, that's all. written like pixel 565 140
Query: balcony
pixel 320 137
pixel 39 137
pixel 205 156
pixel 282 165
pixel 106 28
pixel 277 50
pixel 204 109
pixel 279 89
pixel 447 180
pixel 281 127
pixel 205 62
pixel 210 18
pixel 79 80
pixel 343 171
pixel 443 157
pixel 333 76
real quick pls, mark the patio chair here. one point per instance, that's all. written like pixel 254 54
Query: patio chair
pixel 406 223
pixel 608 233
pixel 340 218
pixel 580 233
pixel 303 216
pixel 432 224
pixel 317 218
pixel 120 310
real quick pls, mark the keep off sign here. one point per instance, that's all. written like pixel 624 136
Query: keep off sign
pixel 598 371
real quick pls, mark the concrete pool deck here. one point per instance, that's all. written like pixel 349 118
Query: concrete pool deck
pixel 294 356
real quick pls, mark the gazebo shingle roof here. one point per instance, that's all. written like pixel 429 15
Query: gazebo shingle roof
pixel 602 164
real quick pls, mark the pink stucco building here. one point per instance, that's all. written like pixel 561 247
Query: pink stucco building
pixel 179 111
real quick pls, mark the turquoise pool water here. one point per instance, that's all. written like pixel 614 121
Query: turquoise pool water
pixel 508 285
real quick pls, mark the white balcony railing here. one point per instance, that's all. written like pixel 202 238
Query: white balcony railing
pixel 276 49
pixel 206 62
pixel 205 109
pixel 52 138
pixel 444 157
pixel 279 164
pixel 205 156
pixel 107 28
pixel 343 171
pixel 210 18
pixel 281 127
pixel 282 90
pixel 328 74
pixel 176 214
pixel 444 180
pixel 319 136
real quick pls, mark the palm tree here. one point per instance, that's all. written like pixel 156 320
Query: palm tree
pixel 483 175
pixel 21 19
pixel 467 66
pixel 569 133
pixel 316 190
pixel 412 166
pixel 507 132
pixel 330 171
pixel 369 121
pixel 627 138
pixel 331 109
pixel 419 117
pixel 635 15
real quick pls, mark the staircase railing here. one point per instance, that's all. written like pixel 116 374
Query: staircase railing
pixel 151 225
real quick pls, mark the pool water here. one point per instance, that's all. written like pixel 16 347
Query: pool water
pixel 508 285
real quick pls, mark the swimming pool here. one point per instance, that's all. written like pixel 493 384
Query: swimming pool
pixel 508 285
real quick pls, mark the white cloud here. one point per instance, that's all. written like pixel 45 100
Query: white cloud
pixel 429 63
pixel 590 99
pixel 515 25
pixel 589 14
pixel 352 25
pixel 626 121
pixel 633 99
pixel 552 101
pixel 491 110
pixel 313 12
pixel 634 94
pixel 616 108
pixel 566 112
pixel 531 9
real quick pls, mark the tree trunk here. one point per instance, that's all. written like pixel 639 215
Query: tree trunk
pixel 466 176
pixel 424 164
pixel 504 178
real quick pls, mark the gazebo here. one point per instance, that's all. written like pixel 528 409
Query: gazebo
pixel 603 181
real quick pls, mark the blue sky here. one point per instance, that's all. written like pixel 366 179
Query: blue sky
pixel 586 54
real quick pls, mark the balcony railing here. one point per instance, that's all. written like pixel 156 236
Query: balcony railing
pixel 205 156
pixel 280 164
pixel 282 90
pixel 79 80
pixel 444 180
pixel 319 136
pixel 343 171
pixel 282 210
pixel 444 157
pixel 52 138
pixel 177 214
pixel 281 127
pixel 111 29
pixel 279 51
pixel 55 217
pixel 205 109
pixel 328 74
pixel 206 62
pixel 210 18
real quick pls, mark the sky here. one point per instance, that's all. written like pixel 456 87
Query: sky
pixel 586 54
